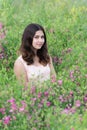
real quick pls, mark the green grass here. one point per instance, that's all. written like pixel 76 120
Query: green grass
pixel 65 23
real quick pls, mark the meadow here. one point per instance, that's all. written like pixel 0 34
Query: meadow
pixel 60 104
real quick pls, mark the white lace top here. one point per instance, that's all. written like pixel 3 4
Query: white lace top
pixel 39 73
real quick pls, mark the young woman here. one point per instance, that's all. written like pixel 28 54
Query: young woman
pixel 34 64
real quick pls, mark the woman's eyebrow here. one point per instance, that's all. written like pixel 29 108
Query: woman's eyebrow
pixel 38 35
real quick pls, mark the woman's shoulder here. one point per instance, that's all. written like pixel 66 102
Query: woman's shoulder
pixel 19 68
pixel 50 59
pixel 19 58
pixel 18 64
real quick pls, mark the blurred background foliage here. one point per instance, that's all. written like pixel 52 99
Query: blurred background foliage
pixel 65 23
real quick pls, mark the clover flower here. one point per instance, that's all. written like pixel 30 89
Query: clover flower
pixel 48 103
pixel 77 103
pixel 6 120
pixel 60 82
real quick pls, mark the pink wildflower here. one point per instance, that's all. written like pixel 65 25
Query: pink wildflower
pixel 24 104
pixel 21 109
pixel 11 100
pixel 53 79
pixel 71 92
pixel 61 99
pixel 60 82
pixel 72 75
pixel 85 98
pixel 77 103
pixel 34 99
pixel 68 50
pixel 6 120
pixel 2 110
pixel 39 94
pixel 55 59
pixel 42 101
pixel 1 55
pixel 40 105
pixel 33 89
pixel 2 36
pixel 68 111
pixel 72 110
pixel 46 93
pixel 65 111
pixel 1 25
pixel 13 107
pixel 48 103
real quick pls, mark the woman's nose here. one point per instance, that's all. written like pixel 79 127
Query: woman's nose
pixel 40 39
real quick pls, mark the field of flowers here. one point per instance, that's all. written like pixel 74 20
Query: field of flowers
pixel 62 103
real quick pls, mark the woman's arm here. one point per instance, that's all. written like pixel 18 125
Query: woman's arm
pixel 53 73
pixel 20 72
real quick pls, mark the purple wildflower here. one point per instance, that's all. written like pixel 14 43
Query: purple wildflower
pixel 39 95
pixel 60 82
pixel 48 103
pixel 6 120
pixel 11 100
pixel 33 89
pixel 85 98
pixel 46 93
pixel 1 26
pixel 77 103
pixel 2 110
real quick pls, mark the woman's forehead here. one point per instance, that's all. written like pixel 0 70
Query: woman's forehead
pixel 39 32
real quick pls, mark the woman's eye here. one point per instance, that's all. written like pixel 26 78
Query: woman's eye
pixel 36 37
pixel 42 37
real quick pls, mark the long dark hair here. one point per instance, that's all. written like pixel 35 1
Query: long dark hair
pixel 26 48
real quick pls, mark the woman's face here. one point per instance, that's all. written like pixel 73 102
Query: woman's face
pixel 38 40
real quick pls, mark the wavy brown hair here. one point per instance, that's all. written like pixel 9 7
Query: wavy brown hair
pixel 27 49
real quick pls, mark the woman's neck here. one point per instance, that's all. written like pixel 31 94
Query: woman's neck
pixel 36 58
pixel 35 51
